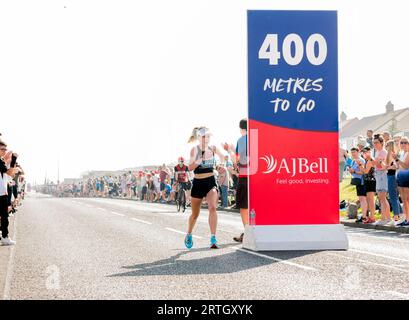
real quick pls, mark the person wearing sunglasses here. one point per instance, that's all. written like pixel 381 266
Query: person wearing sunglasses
pixel 5 174
pixel 402 177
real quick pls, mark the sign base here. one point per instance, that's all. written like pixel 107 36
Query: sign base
pixel 295 237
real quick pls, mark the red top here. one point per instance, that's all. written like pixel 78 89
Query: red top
pixel 182 173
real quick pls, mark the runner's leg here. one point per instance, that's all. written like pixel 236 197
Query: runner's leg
pixel 212 198
pixel 196 203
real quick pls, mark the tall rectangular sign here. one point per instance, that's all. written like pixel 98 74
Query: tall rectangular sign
pixel 293 119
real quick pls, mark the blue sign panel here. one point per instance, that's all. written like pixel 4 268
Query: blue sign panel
pixel 293 81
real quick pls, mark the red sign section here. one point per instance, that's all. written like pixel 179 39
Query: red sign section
pixel 296 181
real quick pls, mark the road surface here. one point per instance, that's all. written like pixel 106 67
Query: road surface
pixel 116 249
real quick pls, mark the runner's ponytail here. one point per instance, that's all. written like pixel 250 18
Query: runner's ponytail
pixel 193 136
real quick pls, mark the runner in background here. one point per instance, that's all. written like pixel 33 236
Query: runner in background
pixel 182 177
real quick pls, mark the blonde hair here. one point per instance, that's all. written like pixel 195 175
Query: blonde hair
pixel 390 150
pixel 194 135
pixel 404 138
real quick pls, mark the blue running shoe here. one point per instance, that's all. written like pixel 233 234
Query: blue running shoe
pixel 189 241
pixel 404 223
pixel 213 243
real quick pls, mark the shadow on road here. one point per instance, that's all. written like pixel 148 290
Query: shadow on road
pixel 229 262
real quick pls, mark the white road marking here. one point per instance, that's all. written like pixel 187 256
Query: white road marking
pixel 184 233
pixel 399 294
pixel 141 221
pixel 232 223
pixel 102 209
pixel 384 265
pixel 378 255
pixel 403 237
pixel 89 206
pixel 118 214
pixel 228 231
pixel 293 264
pixel 366 262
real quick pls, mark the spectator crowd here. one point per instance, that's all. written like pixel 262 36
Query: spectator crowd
pixel 12 188
pixel 158 185
pixel 379 169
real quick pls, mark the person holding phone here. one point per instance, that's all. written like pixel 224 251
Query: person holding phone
pixel 381 178
pixel 356 172
pixel 13 160
pixel 5 173
pixel 368 171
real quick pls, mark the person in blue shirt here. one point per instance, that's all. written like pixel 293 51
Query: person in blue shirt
pixel 348 162
pixel 241 162
pixel 356 172
pixel 168 189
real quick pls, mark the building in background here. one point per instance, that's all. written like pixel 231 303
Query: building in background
pixel 394 121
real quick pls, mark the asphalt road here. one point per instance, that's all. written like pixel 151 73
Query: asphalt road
pixel 116 249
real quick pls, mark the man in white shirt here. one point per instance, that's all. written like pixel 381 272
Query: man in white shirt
pixel 5 174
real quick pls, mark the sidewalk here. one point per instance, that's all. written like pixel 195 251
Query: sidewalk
pixel 351 223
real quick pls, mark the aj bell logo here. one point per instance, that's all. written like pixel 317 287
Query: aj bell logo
pixel 295 166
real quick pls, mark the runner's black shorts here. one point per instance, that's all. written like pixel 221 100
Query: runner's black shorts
pixel 242 194
pixel 201 187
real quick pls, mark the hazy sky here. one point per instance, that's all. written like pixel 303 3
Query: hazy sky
pixel 114 84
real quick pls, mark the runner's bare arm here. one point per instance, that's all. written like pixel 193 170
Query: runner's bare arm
pixel 193 162
pixel 217 151
pixel 368 167
pixel 404 164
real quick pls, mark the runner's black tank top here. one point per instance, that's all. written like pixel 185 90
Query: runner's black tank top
pixel 207 166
